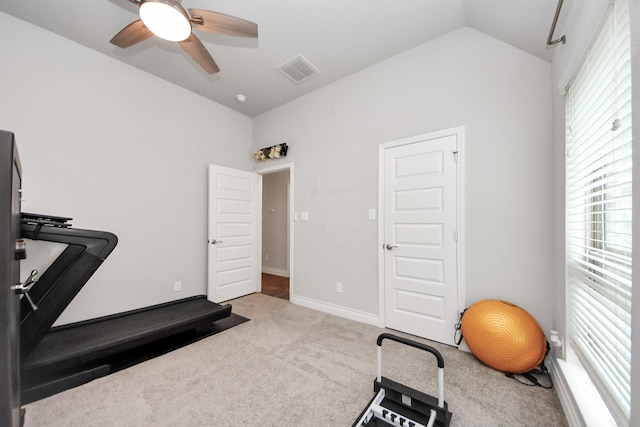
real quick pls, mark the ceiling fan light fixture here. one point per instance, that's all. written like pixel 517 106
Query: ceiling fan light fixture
pixel 167 19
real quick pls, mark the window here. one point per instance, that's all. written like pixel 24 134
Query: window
pixel 598 215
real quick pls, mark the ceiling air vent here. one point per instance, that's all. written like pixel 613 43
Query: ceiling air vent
pixel 298 69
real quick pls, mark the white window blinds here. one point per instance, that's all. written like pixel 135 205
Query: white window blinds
pixel 598 203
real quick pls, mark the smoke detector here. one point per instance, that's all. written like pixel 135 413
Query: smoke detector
pixel 298 69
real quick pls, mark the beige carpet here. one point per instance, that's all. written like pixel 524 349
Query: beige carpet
pixel 289 366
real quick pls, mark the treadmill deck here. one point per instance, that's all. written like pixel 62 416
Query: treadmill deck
pixel 82 342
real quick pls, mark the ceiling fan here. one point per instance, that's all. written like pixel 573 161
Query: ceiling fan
pixel 167 19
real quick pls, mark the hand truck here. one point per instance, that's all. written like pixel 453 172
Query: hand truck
pixel 398 405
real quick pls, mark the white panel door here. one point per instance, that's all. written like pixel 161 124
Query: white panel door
pixel 233 233
pixel 420 248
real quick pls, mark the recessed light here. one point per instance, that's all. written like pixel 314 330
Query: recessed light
pixel 241 98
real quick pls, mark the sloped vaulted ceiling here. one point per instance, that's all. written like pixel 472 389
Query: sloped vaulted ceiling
pixel 337 37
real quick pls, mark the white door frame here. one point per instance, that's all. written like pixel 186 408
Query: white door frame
pixel 290 263
pixel 459 132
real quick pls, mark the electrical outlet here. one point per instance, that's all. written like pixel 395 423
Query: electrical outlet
pixel 339 287
pixel 177 286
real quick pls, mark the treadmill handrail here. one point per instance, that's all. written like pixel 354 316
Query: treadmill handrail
pixel 97 243
pixel 65 277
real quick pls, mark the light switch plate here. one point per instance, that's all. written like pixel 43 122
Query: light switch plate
pixel 304 216
pixel 372 213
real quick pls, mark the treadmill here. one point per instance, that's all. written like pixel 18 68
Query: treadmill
pixel 59 358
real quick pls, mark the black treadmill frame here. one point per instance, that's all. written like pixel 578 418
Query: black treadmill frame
pixel 56 359
pixel 61 282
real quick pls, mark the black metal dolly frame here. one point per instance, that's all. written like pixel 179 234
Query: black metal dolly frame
pixel 398 405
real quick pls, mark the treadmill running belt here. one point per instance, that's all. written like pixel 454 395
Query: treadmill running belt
pixel 78 343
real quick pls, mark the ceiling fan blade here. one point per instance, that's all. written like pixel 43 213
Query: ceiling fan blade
pixel 133 33
pixel 214 22
pixel 194 47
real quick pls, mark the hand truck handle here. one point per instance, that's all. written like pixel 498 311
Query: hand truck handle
pixel 411 343
pixel 419 346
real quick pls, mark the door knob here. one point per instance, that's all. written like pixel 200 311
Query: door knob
pixel 214 241
pixel 390 246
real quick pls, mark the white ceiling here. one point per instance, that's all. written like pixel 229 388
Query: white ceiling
pixel 338 37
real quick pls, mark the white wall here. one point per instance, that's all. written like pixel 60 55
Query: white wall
pixel 118 150
pixel 275 221
pixel 500 94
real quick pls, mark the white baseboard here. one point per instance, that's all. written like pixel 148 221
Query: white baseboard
pixel 275 271
pixel 336 310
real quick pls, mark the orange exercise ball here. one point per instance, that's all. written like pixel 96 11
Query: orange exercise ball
pixel 504 336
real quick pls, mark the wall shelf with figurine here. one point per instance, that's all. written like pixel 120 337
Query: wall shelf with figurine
pixel 273 152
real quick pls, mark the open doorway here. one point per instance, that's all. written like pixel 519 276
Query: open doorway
pixel 276 232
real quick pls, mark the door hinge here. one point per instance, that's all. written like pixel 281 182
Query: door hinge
pixel 455 236
pixel 455 156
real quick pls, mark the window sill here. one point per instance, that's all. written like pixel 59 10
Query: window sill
pixel 580 399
